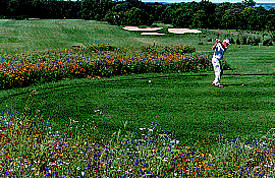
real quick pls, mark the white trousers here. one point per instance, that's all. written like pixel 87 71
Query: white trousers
pixel 217 69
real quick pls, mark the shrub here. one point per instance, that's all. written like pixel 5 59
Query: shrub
pixel 20 17
pixel 232 41
pixel 238 42
pixel 267 42
pixel 256 41
pixel 250 40
pixel 102 47
pixel 169 49
pixel 244 40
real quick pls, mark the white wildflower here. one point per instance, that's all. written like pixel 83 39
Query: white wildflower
pixel 175 141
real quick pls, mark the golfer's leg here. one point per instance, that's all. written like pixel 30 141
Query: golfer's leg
pixel 217 70
pixel 221 70
pixel 214 65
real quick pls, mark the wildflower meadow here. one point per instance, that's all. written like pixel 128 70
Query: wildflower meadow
pixel 96 60
pixel 30 146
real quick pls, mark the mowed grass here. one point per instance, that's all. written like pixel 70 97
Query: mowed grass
pixel 184 104
pixel 26 35
pixel 251 59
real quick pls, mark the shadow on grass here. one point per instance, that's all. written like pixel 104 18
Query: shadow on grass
pixel 237 85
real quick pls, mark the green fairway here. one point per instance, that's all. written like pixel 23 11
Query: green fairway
pixel 185 104
pixel 26 35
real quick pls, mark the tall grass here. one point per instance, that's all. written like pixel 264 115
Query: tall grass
pixel 31 147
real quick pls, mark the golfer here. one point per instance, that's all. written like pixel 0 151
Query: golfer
pixel 219 49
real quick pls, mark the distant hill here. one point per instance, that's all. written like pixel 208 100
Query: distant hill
pixel 265 5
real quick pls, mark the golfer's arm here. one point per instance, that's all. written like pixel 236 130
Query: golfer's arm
pixel 213 48
pixel 223 47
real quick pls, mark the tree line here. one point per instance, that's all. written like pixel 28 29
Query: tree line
pixel 204 14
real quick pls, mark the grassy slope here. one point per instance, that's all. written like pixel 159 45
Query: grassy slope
pixel 25 35
pixel 187 106
pixel 43 34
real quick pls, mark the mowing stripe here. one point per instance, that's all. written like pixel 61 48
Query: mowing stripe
pixel 135 78
pixel 196 75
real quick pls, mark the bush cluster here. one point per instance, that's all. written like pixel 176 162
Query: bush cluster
pixel 241 38
pixel 101 47
pixel 153 49
pixel 106 61
pixel 268 42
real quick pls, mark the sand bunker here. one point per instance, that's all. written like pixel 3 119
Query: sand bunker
pixel 137 29
pixel 153 33
pixel 182 30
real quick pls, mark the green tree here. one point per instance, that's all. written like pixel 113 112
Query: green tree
pixel 261 16
pixel 182 17
pixel 219 13
pixel 249 18
pixel 156 10
pixel 231 19
pixel 248 3
pixel 134 16
pixel 3 8
pixel 168 15
pixel 95 9
pixel 270 21
pixel 119 15
pixel 200 19
pixel 207 16
pixel 116 15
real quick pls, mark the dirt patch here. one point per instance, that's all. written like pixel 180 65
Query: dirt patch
pixel 137 29
pixel 182 30
pixel 152 34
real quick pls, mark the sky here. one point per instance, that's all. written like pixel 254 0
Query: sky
pixel 214 1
